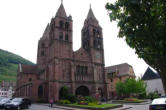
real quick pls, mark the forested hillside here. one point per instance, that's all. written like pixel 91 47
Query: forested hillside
pixel 9 65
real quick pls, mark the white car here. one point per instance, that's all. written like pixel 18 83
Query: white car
pixel 158 104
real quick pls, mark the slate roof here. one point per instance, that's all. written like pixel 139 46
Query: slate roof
pixel 121 69
pixel 150 74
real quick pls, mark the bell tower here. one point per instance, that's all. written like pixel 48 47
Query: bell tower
pixel 92 39
pixel 61 35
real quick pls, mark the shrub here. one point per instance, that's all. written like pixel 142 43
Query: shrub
pixel 64 102
pixel 72 98
pixel 89 99
pixel 83 103
pixel 64 92
pixel 142 95
pixel 153 95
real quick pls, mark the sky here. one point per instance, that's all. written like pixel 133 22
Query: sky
pixel 22 23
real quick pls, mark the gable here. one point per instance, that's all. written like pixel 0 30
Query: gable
pixel 81 55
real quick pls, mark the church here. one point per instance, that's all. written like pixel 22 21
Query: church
pixel 82 71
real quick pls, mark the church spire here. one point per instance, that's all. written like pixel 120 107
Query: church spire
pixel 91 15
pixel 61 11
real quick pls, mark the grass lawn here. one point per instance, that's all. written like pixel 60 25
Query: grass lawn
pixel 102 106
pixel 130 100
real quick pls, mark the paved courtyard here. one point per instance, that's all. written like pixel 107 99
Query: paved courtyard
pixel 46 107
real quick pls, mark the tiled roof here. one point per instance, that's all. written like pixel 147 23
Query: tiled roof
pixel 121 69
pixel 150 74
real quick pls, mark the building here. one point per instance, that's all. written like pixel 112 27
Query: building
pixel 7 89
pixel 153 82
pixel 82 71
pixel 117 73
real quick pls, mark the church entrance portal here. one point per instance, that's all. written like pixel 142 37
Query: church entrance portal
pixel 82 90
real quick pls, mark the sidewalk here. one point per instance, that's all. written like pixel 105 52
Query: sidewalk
pixel 122 108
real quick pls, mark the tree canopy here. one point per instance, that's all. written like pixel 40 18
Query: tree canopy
pixel 143 25
pixel 130 86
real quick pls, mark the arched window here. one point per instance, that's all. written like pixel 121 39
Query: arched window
pixel 61 24
pixel 61 35
pixel 66 37
pixel 67 25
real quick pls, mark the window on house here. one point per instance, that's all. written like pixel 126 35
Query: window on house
pixel 111 80
pixel 61 35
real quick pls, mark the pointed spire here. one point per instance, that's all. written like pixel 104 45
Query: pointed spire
pixel 61 11
pixel 90 14
pixel 46 32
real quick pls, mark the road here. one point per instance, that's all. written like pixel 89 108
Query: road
pixel 138 107
pixel 42 107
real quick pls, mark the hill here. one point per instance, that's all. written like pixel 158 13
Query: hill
pixel 9 65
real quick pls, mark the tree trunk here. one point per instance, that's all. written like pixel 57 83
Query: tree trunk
pixel 163 78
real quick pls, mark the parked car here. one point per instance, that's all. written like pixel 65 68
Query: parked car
pixel 3 101
pixel 158 104
pixel 17 104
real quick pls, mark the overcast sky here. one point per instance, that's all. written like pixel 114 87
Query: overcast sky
pixel 22 23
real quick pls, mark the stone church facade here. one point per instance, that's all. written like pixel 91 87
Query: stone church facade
pixel 82 71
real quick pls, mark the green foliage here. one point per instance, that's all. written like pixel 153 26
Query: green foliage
pixel 143 23
pixel 120 88
pixel 72 98
pixel 10 58
pixel 94 103
pixel 130 87
pixel 89 99
pixel 64 92
pixel 9 65
pixel 64 101
pixel 153 95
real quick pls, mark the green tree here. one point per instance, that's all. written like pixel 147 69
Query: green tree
pixel 143 25
pixel 131 87
pixel 120 88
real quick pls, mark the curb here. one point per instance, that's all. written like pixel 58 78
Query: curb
pixel 137 103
